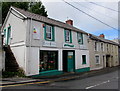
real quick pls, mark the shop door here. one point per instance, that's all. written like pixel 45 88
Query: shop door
pixel 68 61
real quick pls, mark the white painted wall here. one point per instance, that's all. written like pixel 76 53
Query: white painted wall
pixel 26 48
pixel 18 37
pixel 32 61
pixel 18 28
pixel 59 36
pixel 19 53
pixel 78 59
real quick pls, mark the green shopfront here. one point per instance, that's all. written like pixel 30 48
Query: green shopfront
pixel 48 63
pixel 48 60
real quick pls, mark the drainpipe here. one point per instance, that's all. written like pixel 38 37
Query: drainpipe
pixel 29 49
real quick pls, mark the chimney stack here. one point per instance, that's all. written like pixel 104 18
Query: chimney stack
pixel 102 36
pixel 70 22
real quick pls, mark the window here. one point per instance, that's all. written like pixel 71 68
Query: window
pixel 48 60
pixel 83 59
pixel 107 47
pixel 7 35
pixel 68 36
pixel 102 47
pixel 97 59
pixel 49 32
pixel 95 46
pixel 80 38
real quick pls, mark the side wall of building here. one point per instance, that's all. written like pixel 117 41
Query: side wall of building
pixel 17 36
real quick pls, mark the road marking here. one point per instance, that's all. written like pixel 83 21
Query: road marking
pixel 97 84
pixel 36 82
pixel 25 84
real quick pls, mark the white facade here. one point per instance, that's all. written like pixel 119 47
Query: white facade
pixel 26 45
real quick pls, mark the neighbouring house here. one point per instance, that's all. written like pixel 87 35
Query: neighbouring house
pixel 118 41
pixel 103 52
pixel 44 46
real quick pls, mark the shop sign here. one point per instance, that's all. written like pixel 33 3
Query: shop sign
pixel 50 44
pixel 68 45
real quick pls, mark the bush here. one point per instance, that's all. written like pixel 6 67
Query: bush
pixel 19 73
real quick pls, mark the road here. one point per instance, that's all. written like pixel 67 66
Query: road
pixel 103 81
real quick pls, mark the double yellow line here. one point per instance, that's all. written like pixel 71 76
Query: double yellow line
pixel 37 82
pixel 25 84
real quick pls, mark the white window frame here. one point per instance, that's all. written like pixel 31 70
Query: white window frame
pixel 98 58
pixel 49 32
pixel 101 47
pixel 96 49
pixel 67 36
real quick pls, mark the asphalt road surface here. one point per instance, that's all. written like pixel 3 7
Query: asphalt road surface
pixel 103 81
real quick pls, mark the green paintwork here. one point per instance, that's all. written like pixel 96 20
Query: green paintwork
pixel 70 36
pixel 48 73
pixel 68 45
pixel 7 35
pixel 53 33
pixel 70 62
pixel 83 69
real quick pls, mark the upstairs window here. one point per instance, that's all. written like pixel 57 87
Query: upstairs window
pixel 107 47
pixel 68 36
pixel 49 33
pixel 95 46
pixel 80 38
pixel 102 48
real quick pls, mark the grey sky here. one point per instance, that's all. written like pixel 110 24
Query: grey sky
pixel 59 10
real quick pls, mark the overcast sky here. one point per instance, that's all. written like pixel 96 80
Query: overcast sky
pixel 59 10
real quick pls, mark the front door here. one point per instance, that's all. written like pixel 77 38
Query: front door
pixel 68 61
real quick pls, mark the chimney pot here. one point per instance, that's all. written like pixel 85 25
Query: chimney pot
pixel 102 36
pixel 70 22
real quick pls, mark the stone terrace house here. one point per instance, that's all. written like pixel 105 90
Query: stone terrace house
pixel 43 46
pixel 103 52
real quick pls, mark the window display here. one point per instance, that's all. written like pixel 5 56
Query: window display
pixel 48 60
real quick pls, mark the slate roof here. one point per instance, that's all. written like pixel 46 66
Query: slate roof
pixel 48 20
pixel 60 24
pixel 94 37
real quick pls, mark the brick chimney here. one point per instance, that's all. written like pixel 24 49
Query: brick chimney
pixel 102 35
pixel 70 22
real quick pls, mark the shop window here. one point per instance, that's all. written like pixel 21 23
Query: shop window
pixel 80 38
pixel 68 36
pixel 48 60
pixel 83 59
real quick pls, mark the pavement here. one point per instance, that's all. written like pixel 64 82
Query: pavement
pixel 63 77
